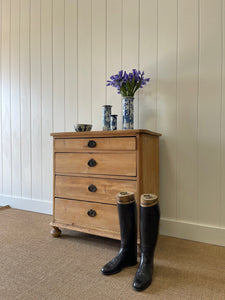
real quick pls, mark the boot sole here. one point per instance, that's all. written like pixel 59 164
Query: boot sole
pixel 143 287
pixel 119 270
pixel 112 273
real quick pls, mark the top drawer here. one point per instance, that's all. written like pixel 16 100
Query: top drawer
pixel 92 144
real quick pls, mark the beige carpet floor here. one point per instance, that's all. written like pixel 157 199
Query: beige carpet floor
pixel 34 265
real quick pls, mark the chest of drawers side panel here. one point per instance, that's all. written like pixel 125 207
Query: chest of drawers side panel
pixel 149 164
pixel 147 168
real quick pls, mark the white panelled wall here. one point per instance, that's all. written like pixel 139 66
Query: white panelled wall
pixel 56 56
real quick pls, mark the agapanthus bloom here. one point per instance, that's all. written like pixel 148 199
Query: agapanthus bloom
pixel 128 84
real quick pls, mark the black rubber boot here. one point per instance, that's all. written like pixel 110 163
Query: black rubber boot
pixel 149 228
pixel 127 255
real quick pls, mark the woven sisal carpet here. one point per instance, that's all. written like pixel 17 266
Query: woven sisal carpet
pixel 34 265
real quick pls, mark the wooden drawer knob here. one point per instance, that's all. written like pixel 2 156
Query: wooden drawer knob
pixel 91 144
pixel 92 163
pixel 92 213
pixel 92 188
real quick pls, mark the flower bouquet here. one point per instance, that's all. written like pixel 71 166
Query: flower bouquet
pixel 127 85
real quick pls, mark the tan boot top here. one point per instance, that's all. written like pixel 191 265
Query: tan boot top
pixel 148 200
pixel 125 197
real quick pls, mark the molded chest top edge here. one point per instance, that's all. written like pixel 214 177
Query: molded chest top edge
pixel 110 133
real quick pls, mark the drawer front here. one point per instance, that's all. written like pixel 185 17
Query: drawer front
pixel 87 214
pixel 123 164
pixel 92 189
pixel 94 144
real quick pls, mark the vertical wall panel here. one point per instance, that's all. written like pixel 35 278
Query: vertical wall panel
pixel 0 98
pixel 187 96
pixel 58 65
pixel 84 61
pixel 46 96
pixel 70 64
pixel 6 98
pixel 148 63
pixel 222 223
pixel 166 103
pixel 209 112
pixel 25 97
pixel 130 44
pixel 114 44
pixel 98 61
pixel 36 101
pixel 15 98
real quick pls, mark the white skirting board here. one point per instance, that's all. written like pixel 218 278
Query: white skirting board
pixel 35 205
pixel 175 228
pixel 193 231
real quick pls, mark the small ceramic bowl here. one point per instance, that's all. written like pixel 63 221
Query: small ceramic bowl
pixel 82 127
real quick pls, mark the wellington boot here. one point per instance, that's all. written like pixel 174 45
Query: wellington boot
pixel 127 255
pixel 149 228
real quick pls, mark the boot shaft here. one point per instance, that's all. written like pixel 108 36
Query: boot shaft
pixel 149 222
pixel 127 211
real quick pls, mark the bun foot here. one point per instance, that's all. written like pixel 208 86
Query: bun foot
pixel 56 232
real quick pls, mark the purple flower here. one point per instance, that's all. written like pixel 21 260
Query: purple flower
pixel 128 84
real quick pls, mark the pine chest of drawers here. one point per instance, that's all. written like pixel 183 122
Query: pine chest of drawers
pixel 90 168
